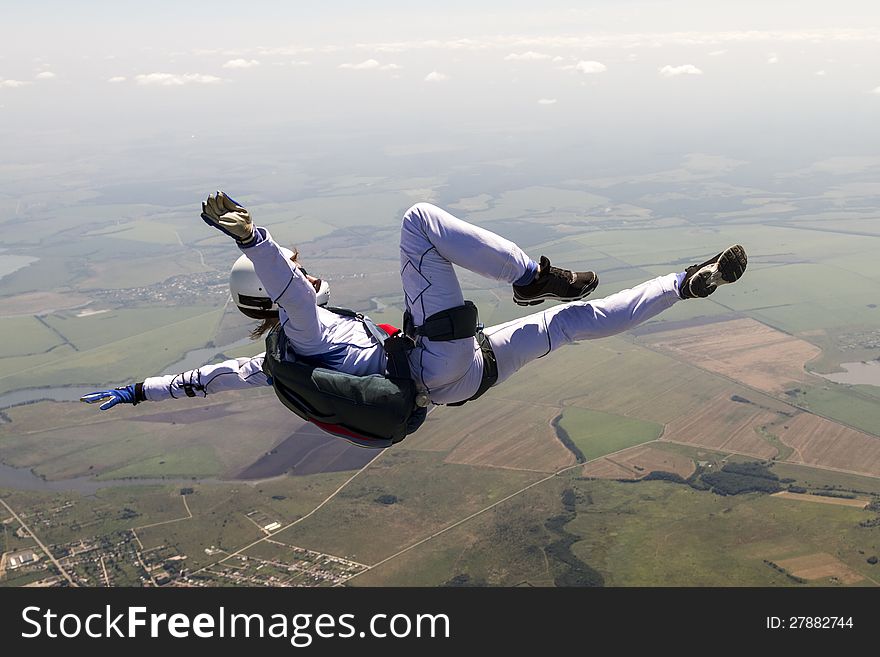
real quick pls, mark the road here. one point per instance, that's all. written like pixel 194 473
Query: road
pixel 40 543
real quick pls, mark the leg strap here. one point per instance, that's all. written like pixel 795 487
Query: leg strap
pixel 450 324
pixel 490 369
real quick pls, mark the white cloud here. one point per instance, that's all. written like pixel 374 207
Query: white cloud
pixel 300 63
pixel 685 69
pixel 773 59
pixel 117 78
pixel 716 39
pixel 876 90
pixel 436 76
pixel 241 63
pixel 717 53
pixel 45 75
pixel 558 59
pixel 529 56
pixel 547 101
pixel 588 67
pixel 363 66
pixel 821 73
pixel 12 84
pixel 175 79
pixel 370 65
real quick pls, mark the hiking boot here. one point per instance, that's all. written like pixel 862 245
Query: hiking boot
pixel 556 284
pixel 702 280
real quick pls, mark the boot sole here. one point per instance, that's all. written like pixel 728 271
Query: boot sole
pixel 552 297
pixel 732 263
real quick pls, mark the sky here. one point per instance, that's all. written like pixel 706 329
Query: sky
pixel 84 83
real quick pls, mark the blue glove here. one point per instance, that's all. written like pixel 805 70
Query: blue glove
pixel 130 394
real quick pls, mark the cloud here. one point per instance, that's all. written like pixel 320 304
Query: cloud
pixel 717 53
pixel 876 90
pixel 13 84
pixel 241 63
pixel 117 78
pixel 436 76
pixel 370 65
pixel 588 67
pixel 547 101
pixel 773 59
pixel 303 62
pixel 175 79
pixel 821 73
pixel 45 75
pixel 529 56
pixel 363 66
pixel 714 39
pixel 685 69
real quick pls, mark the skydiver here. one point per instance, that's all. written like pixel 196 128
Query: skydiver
pixel 267 283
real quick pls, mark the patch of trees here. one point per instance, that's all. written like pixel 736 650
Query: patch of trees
pixel 750 469
pixel 873 559
pixel 797 489
pixel 279 498
pixel 186 491
pixel 832 493
pixel 780 569
pixel 566 440
pixel 738 478
pixel 387 499
pixel 660 475
pixel 730 483
pixel 741 400
pixel 464 579
pixel 574 572
pixel 873 522
pixel 128 514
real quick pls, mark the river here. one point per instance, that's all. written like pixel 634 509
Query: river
pixel 12 263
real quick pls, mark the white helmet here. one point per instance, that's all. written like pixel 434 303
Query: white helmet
pixel 250 296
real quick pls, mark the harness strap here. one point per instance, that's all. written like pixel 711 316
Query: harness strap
pixel 490 369
pixel 450 324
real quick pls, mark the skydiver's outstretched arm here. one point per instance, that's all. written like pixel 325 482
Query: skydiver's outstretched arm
pixel 234 374
pixel 284 282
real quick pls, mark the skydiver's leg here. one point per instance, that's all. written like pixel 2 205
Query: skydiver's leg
pixel 523 340
pixel 290 289
pixel 431 240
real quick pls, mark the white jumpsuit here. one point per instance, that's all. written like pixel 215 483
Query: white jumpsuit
pixel 431 240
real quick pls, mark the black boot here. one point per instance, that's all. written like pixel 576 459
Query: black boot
pixel 556 284
pixel 702 280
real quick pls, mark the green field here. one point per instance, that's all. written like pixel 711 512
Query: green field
pixel 659 534
pixel 431 494
pixel 128 353
pixel 596 433
pixel 22 336
pixel 843 403
pixel 152 232
pixel 93 331
pixel 185 462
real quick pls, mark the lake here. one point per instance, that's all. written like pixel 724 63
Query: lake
pixel 865 373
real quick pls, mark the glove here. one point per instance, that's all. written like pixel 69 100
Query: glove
pixel 130 394
pixel 225 214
